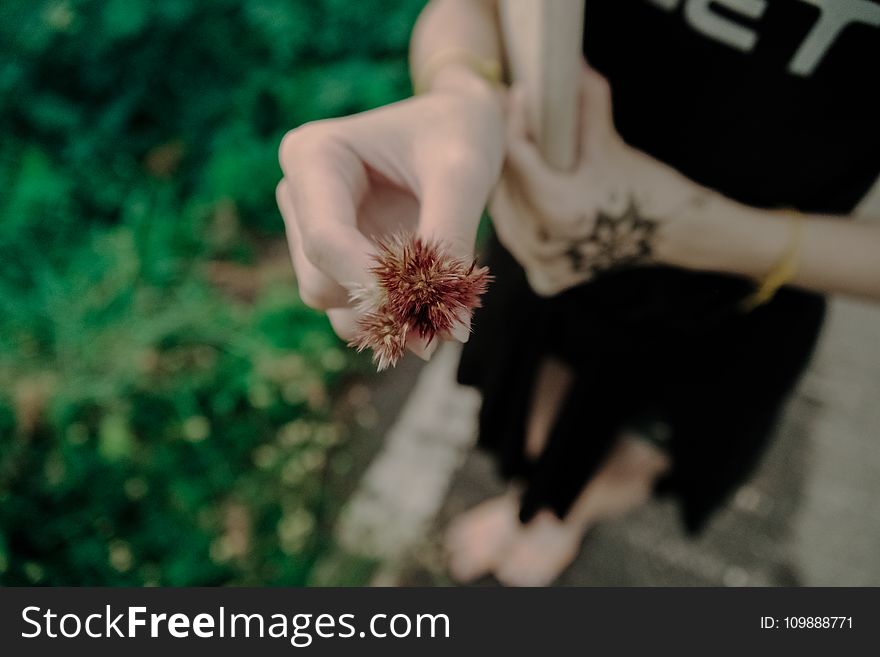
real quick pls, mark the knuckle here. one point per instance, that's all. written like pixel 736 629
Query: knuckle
pixel 287 150
pixel 308 299
pixel 304 142
pixel 317 245
pixel 314 296
pixel 280 192
pixel 461 161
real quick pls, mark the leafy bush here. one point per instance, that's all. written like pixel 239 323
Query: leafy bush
pixel 168 407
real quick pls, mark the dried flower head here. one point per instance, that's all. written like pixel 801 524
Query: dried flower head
pixel 381 332
pixel 419 287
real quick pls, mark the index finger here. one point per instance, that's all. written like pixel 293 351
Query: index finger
pixel 326 181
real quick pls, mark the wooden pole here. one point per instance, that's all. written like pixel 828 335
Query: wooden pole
pixel 543 43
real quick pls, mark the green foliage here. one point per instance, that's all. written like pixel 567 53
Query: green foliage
pixel 156 427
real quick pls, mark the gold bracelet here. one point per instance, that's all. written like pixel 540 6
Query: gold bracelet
pixel 488 69
pixel 783 272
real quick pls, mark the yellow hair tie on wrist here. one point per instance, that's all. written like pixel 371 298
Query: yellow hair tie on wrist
pixel 488 69
pixel 783 272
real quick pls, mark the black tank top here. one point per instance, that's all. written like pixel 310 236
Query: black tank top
pixel 772 102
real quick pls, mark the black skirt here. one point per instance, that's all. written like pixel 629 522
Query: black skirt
pixel 649 347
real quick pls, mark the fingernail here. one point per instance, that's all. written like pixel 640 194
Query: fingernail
pixel 461 332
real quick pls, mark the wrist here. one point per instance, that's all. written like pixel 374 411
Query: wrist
pixel 698 228
pixel 460 79
pixel 684 213
pixel 714 233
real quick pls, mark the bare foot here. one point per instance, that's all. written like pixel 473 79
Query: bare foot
pixel 623 483
pixel 540 552
pixel 546 546
pixel 476 540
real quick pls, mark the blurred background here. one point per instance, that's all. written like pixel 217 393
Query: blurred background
pixel 171 414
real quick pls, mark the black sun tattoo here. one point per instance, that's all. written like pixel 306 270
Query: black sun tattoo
pixel 615 242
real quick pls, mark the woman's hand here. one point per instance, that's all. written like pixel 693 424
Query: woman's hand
pixel 620 207
pixel 426 164
pixel 615 209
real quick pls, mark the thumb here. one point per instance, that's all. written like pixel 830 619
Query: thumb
pixel 453 196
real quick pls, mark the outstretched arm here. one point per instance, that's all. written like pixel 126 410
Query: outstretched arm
pixel 424 165
pixel 725 236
